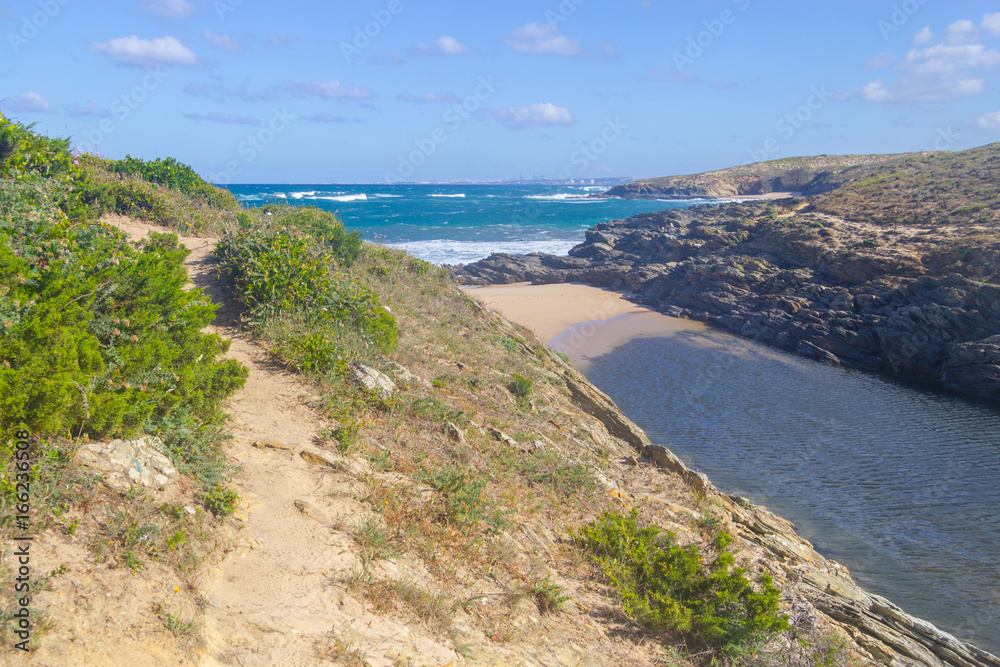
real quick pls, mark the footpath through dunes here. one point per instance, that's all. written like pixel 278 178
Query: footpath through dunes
pixel 272 601
pixel 280 597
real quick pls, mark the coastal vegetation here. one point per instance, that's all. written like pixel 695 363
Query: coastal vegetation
pixel 666 586
pixel 493 505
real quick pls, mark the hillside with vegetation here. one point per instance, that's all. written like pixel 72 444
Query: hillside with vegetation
pixel 803 175
pixel 363 465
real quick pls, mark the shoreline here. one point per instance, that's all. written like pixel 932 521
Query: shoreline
pixel 579 320
pixel 828 585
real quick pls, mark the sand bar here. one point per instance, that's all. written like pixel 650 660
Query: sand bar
pixel 580 320
pixel 769 195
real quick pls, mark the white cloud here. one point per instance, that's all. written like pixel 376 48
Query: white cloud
pixel 443 46
pixel 26 103
pixel 542 113
pixel 146 52
pixel 939 72
pixel 989 122
pixel 961 32
pixel 224 42
pixel 606 50
pixel 543 38
pixel 991 24
pixel 216 92
pixel 450 46
pixel 171 9
pixel 924 37
pixel 332 90
pixel 430 98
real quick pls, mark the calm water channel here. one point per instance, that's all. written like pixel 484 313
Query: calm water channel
pixel 901 485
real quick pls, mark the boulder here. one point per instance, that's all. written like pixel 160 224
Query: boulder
pixel 373 380
pixel 454 433
pixel 128 463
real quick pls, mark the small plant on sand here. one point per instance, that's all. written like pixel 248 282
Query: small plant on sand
pixel 548 595
pixel 375 540
pixel 220 501
pixel 520 386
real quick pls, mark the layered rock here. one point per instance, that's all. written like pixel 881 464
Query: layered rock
pixel 886 299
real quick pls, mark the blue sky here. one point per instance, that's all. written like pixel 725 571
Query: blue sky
pixel 248 91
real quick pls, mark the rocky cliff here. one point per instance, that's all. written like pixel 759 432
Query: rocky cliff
pixel 808 175
pixel 919 300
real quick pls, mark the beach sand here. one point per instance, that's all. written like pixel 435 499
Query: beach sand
pixel 769 195
pixel 580 320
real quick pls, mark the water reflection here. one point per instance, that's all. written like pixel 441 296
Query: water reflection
pixel 901 485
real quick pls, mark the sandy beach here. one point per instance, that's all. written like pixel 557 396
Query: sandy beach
pixel 770 195
pixel 580 320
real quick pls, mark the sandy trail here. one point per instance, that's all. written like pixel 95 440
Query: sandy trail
pixel 271 597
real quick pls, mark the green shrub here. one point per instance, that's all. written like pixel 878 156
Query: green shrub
pixel 194 446
pixel 275 270
pixel 326 227
pixel 221 502
pixel 23 152
pixel 173 174
pixel 520 386
pixel 96 336
pixel 548 595
pixel 665 586
pixel 508 343
pixel 463 497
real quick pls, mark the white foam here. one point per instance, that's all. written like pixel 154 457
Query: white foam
pixel 563 196
pixel 300 195
pixel 359 197
pixel 458 195
pixel 383 196
pixel 447 251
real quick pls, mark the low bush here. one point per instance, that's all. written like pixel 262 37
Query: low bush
pixel 98 337
pixel 276 270
pixel 520 386
pixel 462 493
pixel 173 174
pixel 668 587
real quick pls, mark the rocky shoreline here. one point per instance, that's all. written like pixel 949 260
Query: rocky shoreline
pixel 909 301
pixel 877 626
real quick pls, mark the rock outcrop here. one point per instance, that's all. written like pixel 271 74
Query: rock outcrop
pixel 893 300
pixel 128 463
pixel 809 175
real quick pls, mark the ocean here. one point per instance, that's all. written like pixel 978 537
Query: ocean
pixel 457 224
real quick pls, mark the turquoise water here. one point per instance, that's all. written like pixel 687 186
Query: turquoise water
pixel 455 224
